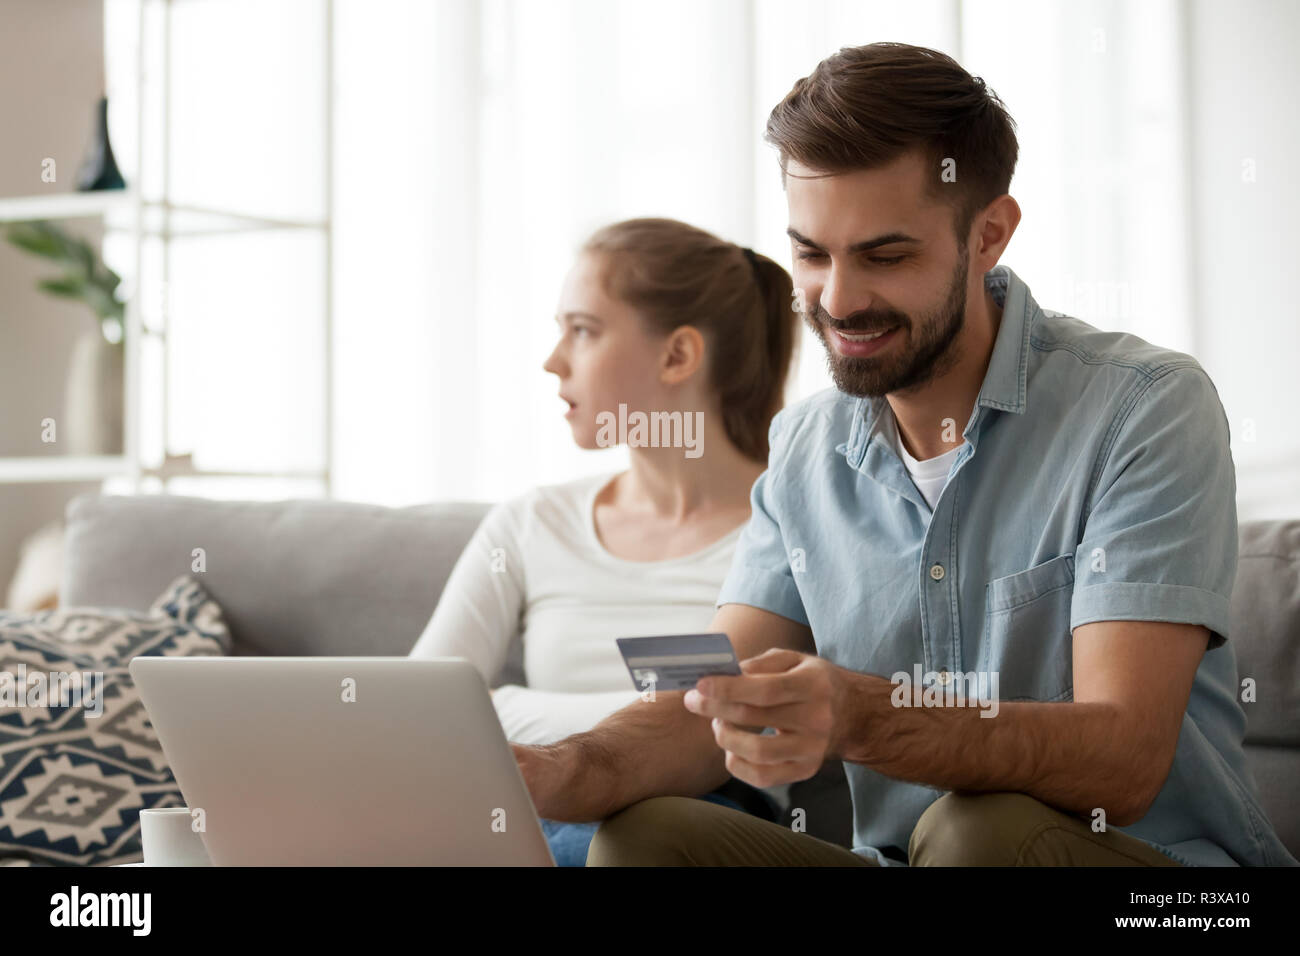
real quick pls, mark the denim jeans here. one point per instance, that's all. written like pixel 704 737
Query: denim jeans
pixel 569 841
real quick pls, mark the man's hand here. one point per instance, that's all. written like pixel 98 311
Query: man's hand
pixel 544 775
pixel 653 749
pixel 802 697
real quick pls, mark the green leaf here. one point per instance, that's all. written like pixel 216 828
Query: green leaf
pixel 80 252
pixel 85 278
pixel 102 302
pixel 68 287
pixel 107 279
pixel 32 237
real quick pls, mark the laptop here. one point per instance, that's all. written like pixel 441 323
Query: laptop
pixel 342 761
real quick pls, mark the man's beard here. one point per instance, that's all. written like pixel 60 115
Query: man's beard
pixel 932 352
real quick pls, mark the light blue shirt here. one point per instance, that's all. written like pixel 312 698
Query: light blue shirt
pixel 1095 484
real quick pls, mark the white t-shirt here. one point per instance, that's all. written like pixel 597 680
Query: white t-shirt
pixel 929 475
pixel 536 567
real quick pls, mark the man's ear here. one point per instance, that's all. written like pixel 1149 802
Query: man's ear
pixel 682 356
pixel 993 229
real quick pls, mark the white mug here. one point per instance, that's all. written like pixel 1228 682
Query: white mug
pixel 169 838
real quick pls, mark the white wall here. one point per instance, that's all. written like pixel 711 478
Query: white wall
pixel 51 78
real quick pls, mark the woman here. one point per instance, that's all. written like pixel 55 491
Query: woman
pixel 697 334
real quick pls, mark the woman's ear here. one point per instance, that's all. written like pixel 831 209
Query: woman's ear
pixel 682 356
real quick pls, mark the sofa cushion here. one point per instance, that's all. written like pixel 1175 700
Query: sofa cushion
pixel 1276 770
pixel 294 578
pixel 77 768
pixel 1265 629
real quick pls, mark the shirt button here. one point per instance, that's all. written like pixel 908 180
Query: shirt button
pixel 945 678
pixel 936 571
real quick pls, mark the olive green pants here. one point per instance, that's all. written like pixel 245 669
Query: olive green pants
pixel 984 829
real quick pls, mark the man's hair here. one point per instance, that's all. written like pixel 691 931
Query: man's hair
pixel 866 106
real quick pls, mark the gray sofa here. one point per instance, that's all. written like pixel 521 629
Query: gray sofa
pixel 338 578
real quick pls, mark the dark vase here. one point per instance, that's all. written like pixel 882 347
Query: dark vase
pixel 100 171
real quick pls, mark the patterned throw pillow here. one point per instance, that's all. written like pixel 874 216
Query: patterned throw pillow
pixel 78 756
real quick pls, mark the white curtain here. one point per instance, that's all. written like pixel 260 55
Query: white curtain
pixel 562 115
pixel 477 142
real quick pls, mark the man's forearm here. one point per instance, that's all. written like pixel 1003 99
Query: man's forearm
pixel 1074 756
pixel 647 749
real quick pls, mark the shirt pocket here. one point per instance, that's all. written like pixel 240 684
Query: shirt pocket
pixel 1027 632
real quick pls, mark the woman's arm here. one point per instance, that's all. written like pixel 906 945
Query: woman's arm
pixel 482 610
pixel 481 606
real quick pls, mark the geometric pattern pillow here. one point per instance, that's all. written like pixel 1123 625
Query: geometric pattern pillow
pixel 80 760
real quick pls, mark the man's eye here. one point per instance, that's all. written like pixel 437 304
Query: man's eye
pixel 875 260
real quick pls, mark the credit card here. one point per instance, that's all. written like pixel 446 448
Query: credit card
pixel 677 661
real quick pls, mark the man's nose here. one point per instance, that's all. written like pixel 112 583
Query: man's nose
pixel 841 296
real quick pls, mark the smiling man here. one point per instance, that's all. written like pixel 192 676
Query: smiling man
pixel 990 489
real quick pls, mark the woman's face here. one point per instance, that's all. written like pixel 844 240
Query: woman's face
pixel 606 355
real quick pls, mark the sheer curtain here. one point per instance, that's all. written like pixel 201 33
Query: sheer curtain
pixel 477 142
pixel 537 122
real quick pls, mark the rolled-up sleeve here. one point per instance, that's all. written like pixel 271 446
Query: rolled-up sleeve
pixel 1160 539
pixel 760 574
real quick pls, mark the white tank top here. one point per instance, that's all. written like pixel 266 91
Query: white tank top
pixel 929 475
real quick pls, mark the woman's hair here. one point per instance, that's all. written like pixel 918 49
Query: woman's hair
pixel 865 106
pixel 674 274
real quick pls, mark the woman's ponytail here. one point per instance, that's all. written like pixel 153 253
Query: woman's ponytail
pixel 757 389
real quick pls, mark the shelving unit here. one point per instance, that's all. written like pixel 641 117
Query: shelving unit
pixel 64 206
pixel 129 211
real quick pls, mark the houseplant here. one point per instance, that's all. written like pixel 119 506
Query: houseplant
pixel 93 392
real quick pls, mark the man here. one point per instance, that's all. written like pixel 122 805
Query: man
pixel 992 495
